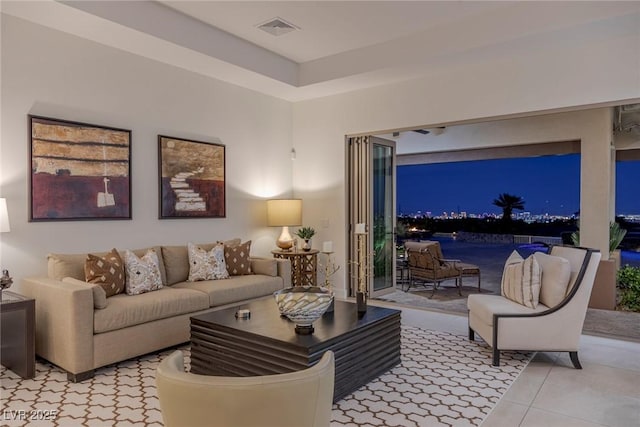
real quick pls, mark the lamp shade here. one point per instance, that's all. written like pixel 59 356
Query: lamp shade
pixel 4 216
pixel 284 212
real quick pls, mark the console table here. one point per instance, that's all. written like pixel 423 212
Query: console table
pixel 17 334
pixel 304 266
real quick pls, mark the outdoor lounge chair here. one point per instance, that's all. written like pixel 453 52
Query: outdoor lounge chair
pixel 507 325
pixel 426 263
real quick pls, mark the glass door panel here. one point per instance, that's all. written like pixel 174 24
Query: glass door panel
pixel 384 216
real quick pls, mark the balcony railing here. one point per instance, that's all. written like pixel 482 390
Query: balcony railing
pixel 549 240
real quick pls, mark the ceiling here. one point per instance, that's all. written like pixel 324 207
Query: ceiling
pixel 329 27
pixel 340 47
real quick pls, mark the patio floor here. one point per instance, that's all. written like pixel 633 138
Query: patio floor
pixel 490 258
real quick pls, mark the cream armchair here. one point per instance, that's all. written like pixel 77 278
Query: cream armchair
pixel 295 399
pixel 506 325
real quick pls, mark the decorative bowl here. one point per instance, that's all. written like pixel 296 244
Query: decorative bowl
pixel 303 305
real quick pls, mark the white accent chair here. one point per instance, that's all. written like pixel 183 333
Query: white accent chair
pixel 296 399
pixel 507 325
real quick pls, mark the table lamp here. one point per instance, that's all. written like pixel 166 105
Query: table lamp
pixel 284 213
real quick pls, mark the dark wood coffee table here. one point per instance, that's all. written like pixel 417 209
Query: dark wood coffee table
pixel 266 343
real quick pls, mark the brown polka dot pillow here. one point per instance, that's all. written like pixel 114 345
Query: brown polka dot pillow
pixel 237 259
pixel 106 271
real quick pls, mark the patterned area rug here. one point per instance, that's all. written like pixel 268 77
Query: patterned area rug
pixel 443 380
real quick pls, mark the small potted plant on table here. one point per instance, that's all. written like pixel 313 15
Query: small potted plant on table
pixel 306 233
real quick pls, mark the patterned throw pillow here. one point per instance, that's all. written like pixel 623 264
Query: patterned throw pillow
pixel 521 280
pixel 143 274
pixel 106 271
pixel 237 258
pixel 206 265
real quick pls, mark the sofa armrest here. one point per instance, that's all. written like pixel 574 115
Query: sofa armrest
pixel 64 322
pixel 284 271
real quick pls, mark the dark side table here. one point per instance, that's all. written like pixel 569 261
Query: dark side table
pixel 17 333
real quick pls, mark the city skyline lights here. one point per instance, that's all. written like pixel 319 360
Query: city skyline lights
pixel 550 185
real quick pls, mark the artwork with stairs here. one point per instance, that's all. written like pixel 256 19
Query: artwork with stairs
pixel 188 199
pixel 192 178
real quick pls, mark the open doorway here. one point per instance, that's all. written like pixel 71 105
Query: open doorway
pixel 452 203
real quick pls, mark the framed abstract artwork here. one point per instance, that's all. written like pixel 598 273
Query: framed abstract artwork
pixel 78 171
pixel 192 178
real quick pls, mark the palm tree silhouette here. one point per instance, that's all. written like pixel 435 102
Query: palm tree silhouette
pixel 508 202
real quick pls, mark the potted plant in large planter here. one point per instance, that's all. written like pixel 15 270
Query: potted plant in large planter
pixel 306 233
pixel 603 295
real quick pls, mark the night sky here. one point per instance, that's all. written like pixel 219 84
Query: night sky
pixel 549 184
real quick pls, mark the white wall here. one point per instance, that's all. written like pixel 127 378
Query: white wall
pixel 48 73
pixel 588 72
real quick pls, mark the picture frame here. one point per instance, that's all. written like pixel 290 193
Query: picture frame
pixel 79 171
pixel 192 179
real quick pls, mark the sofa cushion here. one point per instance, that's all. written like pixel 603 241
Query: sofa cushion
pixel 125 310
pixel 556 272
pixel 521 280
pixel 176 260
pixel 99 295
pixel 235 288
pixel 485 306
pixel 107 271
pixel 266 266
pixel 143 274
pixel 237 258
pixel 60 266
pixel 206 264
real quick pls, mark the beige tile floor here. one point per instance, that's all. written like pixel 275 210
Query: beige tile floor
pixel 550 392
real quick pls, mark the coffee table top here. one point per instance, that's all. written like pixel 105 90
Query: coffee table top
pixel 266 322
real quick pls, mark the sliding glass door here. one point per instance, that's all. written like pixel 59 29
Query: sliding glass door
pixel 384 215
pixel 371 201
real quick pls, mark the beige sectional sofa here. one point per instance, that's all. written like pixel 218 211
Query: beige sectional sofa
pixel 79 329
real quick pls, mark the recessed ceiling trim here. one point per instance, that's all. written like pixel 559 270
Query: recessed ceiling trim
pixel 165 23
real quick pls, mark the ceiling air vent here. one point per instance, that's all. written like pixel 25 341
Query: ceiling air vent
pixel 277 26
